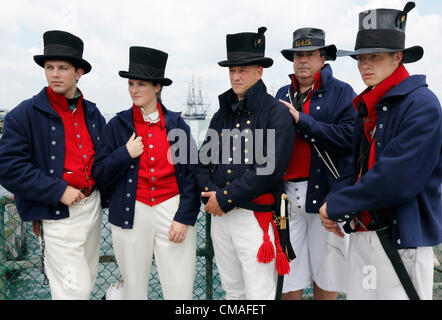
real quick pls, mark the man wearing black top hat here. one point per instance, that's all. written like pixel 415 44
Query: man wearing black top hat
pixel 392 202
pixel 46 156
pixel 255 138
pixel 323 116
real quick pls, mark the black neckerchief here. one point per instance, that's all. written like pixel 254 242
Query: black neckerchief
pixel 298 98
pixel 365 145
pixel 72 103
pixel 237 105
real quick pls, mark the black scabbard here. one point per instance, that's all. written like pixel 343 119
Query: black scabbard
pixel 382 227
pixel 398 264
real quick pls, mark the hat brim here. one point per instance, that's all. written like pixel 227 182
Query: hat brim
pixel 78 63
pixel 264 62
pixel 411 54
pixel 162 81
pixel 330 51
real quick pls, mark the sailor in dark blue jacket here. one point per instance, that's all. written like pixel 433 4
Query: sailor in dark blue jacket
pixel 247 149
pixel 154 202
pixel 392 202
pixel 46 156
pixel 323 117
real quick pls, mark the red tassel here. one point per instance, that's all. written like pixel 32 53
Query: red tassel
pixel 282 264
pixel 266 252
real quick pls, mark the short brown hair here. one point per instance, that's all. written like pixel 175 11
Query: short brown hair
pixel 158 95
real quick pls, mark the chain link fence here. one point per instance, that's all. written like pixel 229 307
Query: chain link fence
pixel 20 262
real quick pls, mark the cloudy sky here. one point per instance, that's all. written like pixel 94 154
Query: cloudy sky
pixel 193 33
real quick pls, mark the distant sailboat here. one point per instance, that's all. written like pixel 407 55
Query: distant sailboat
pixel 196 107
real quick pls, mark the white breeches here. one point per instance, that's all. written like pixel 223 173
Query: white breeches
pixel 135 248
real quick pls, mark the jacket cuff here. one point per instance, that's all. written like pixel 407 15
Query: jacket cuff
pixel 336 214
pixel 210 186
pixel 60 191
pixel 185 218
pixel 224 200
pixel 303 123
pixel 124 155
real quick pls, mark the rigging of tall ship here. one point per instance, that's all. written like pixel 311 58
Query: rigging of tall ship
pixel 196 105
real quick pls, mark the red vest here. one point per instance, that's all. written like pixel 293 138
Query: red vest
pixel 156 175
pixel 79 149
pixel 299 165
pixel 371 97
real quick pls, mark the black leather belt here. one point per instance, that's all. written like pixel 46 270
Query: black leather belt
pixel 87 191
pixel 298 179
pixel 257 207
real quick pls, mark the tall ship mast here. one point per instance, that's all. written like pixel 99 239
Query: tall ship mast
pixel 196 107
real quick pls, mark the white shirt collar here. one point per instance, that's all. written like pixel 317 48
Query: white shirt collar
pixel 154 117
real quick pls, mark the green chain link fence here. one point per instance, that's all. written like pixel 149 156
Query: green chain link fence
pixel 20 262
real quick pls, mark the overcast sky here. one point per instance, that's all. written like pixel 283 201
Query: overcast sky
pixel 193 32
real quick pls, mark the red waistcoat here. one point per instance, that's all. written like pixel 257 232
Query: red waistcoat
pixel 299 165
pixel 79 149
pixel 156 174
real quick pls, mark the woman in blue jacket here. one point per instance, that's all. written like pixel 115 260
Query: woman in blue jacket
pixel 154 203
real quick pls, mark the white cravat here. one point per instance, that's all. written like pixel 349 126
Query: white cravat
pixel 153 117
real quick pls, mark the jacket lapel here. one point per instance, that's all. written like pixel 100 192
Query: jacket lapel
pixel 41 102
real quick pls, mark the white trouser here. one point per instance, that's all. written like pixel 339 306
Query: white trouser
pixel 321 256
pixel 134 249
pixel 237 237
pixel 72 250
pixel 372 277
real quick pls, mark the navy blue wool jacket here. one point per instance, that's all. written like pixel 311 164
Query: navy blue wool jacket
pixel 115 168
pixel 239 183
pixel 32 156
pixel 406 178
pixel 329 125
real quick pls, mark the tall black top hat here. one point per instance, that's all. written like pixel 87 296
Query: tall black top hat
pixel 383 30
pixel 147 64
pixel 62 45
pixel 246 48
pixel 309 39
